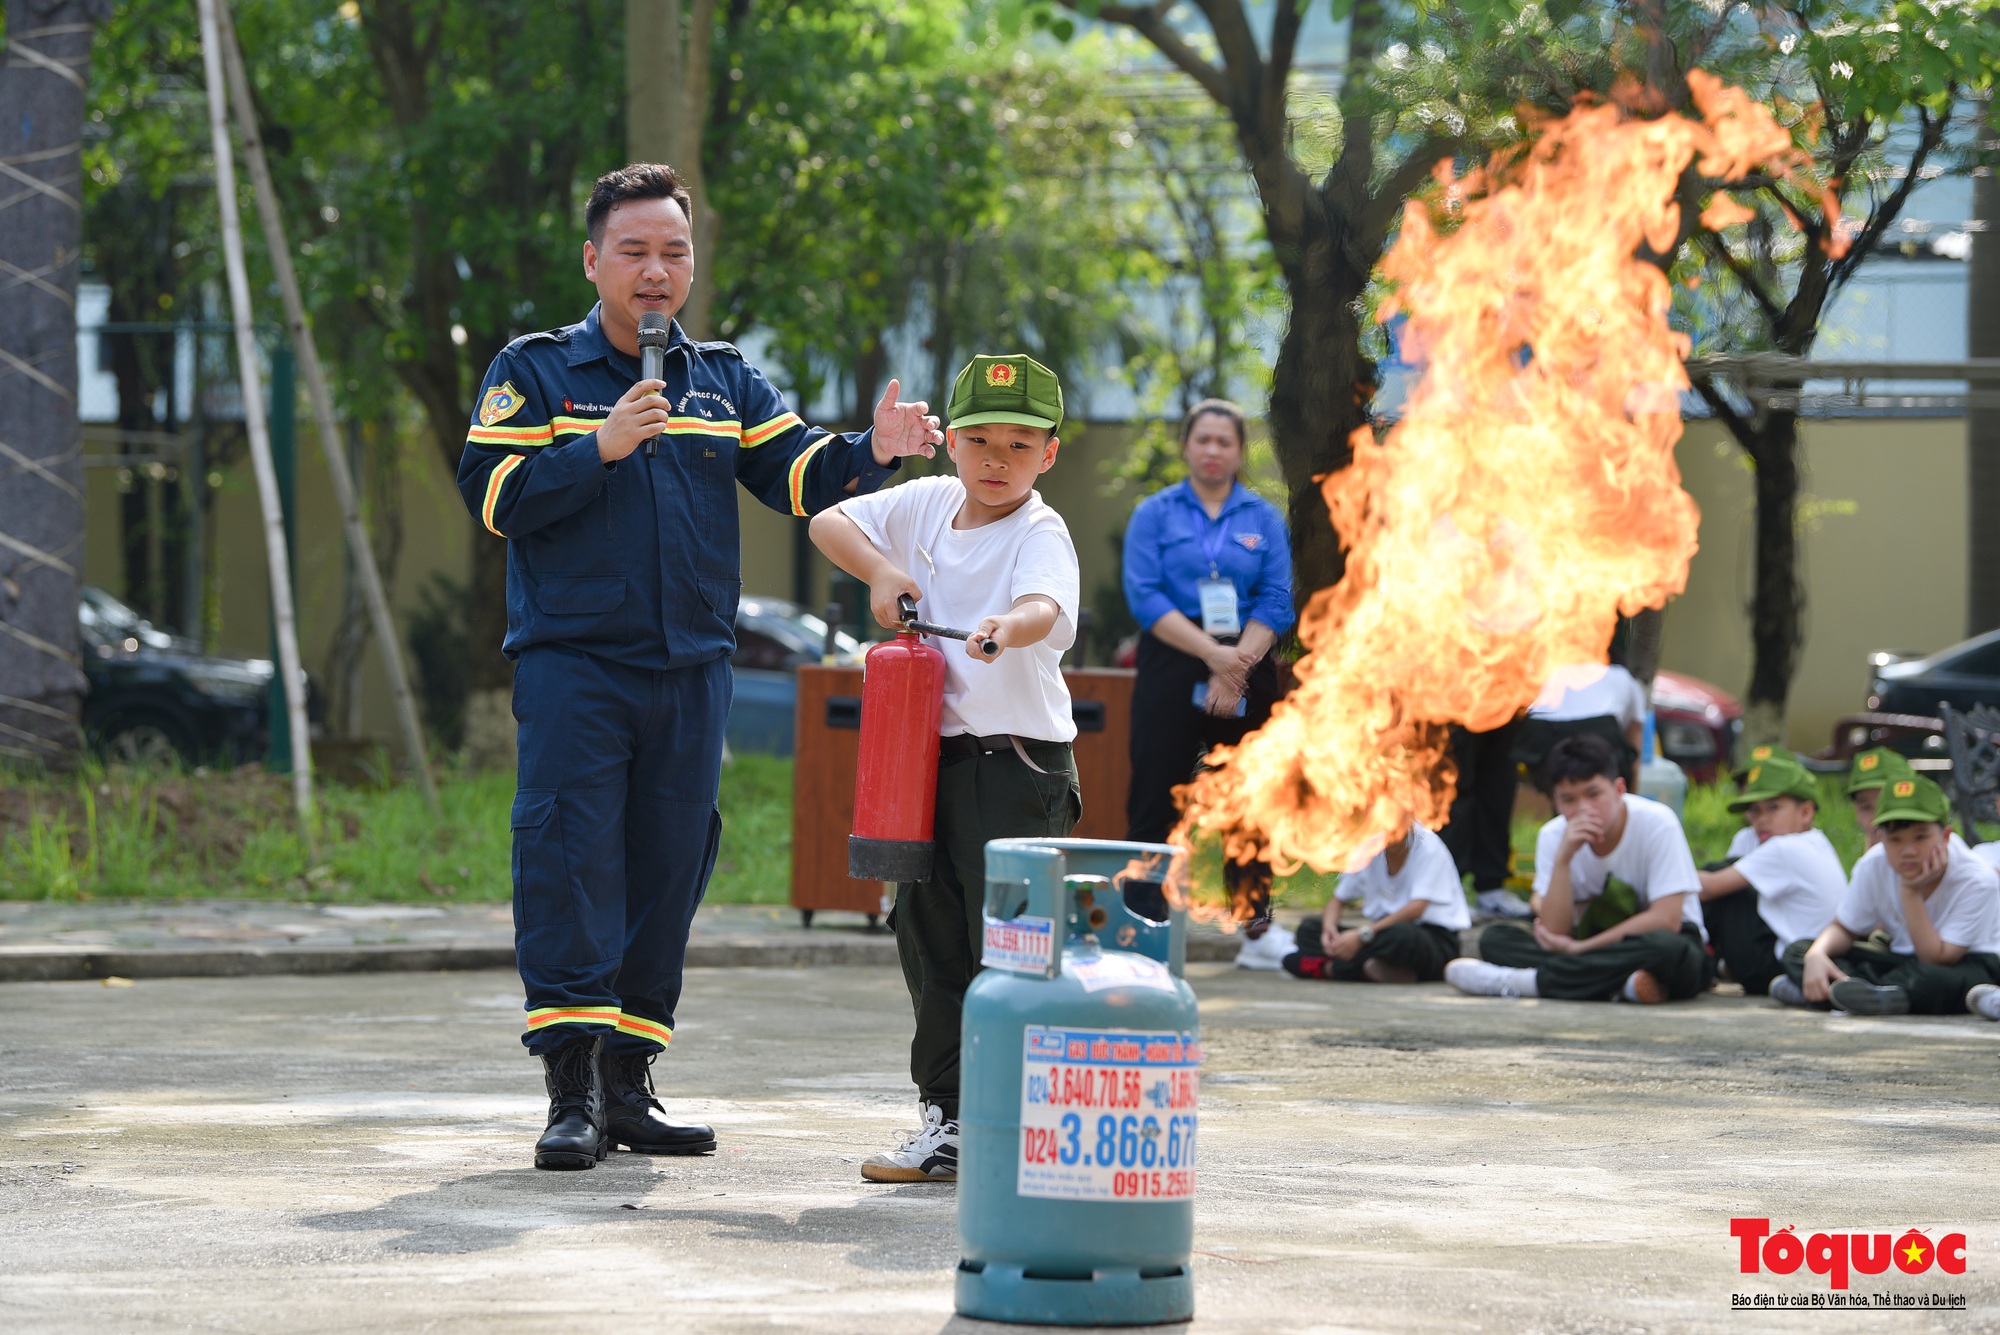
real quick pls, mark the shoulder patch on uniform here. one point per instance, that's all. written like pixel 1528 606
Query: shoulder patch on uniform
pixel 499 403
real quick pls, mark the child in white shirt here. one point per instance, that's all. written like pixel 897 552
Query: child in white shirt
pixel 1413 903
pixel 1782 889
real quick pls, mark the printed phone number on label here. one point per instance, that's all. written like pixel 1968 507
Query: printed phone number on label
pixel 1078 1141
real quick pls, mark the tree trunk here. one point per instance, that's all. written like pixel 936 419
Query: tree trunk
pixel 1319 396
pixel 1777 604
pixel 1982 425
pixel 667 46
pixel 42 99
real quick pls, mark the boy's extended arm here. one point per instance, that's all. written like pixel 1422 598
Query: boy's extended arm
pixel 1821 972
pixel 1716 884
pixel 842 542
pixel 1031 621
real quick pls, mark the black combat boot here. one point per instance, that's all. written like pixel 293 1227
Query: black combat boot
pixel 575 1135
pixel 633 1116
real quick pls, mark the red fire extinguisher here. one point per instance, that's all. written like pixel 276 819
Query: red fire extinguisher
pixel 895 780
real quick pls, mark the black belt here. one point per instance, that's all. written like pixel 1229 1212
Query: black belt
pixel 960 745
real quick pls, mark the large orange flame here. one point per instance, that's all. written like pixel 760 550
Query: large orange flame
pixel 1527 497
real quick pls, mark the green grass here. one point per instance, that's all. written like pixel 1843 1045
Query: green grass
pixel 124 833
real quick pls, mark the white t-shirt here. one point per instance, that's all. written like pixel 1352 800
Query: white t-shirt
pixel 1428 873
pixel 1652 857
pixel 975 573
pixel 1744 844
pixel 1988 853
pixel 1799 882
pixel 1965 907
pixel 1591 690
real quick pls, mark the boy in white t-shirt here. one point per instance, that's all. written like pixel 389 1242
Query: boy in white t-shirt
pixel 1868 774
pixel 1939 905
pixel 1785 888
pixel 1617 899
pixel 983 552
pixel 1413 900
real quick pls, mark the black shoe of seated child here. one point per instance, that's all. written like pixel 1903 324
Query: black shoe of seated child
pixel 1859 998
pixel 633 1116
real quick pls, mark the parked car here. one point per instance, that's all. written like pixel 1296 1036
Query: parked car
pixel 1964 675
pixel 1699 724
pixel 774 636
pixel 156 698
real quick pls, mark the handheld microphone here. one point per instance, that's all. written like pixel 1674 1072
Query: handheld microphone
pixel 652 356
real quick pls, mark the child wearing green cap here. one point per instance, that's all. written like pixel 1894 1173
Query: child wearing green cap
pixel 1939 905
pixel 980 551
pixel 1782 890
pixel 1868 773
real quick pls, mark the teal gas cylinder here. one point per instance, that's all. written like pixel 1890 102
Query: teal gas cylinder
pixel 1077 1092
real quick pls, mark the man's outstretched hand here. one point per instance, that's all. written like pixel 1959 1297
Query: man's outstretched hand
pixel 903 429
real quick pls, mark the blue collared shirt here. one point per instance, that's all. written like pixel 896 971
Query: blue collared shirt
pixel 638 562
pixel 1167 547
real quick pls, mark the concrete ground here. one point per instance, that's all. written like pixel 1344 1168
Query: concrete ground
pixel 347 1154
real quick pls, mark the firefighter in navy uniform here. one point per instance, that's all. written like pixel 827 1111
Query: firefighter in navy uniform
pixel 623 573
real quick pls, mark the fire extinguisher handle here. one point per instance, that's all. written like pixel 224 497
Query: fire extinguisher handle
pixel 906 607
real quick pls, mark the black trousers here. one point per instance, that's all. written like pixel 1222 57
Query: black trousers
pixel 1421 947
pixel 1480 832
pixel 1169 738
pixel 1743 940
pixel 1934 989
pixel 940 923
pixel 1675 958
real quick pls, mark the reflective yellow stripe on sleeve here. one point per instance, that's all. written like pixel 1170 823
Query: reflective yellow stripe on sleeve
pixel 493 485
pixel 797 478
pixel 509 436
pixel 757 435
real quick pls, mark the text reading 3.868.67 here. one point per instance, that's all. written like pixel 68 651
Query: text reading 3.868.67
pixel 1108 1114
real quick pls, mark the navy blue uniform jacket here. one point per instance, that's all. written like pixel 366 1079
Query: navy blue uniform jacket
pixel 637 562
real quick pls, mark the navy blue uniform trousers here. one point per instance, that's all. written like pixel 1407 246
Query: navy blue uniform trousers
pixel 615 832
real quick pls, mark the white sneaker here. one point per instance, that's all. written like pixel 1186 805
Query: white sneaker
pixel 1502 904
pixel 927 1154
pixel 1788 993
pixel 1479 979
pixel 1267 951
pixel 1984 1001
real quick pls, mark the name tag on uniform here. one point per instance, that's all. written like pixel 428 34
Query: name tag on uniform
pixel 1218 607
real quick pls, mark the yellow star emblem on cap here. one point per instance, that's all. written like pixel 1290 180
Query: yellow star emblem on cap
pixel 1000 373
pixel 1903 788
pixel 1869 761
pixel 1755 771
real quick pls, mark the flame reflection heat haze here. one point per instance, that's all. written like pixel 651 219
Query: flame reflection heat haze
pixel 1526 498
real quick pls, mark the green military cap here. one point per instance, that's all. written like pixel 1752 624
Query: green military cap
pixel 1778 774
pixel 1874 768
pixel 1912 797
pixel 1014 388
pixel 1757 753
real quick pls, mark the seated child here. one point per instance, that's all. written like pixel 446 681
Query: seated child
pixel 1414 901
pixel 1617 899
pixel 1939 905
pixel 1783 890
pixel 1867 775
pixel 1747 838
pixel 984 552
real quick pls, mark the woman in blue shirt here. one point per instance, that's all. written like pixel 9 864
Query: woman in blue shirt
pixel 1208 576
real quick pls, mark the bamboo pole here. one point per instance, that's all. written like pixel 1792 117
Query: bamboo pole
pixel 358 547
pixel 292 672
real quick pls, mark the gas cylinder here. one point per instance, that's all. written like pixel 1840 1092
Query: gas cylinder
pixel 895 779
pixel 1078 1092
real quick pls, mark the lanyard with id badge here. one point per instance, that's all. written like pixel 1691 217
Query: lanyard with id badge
pixel 1219 614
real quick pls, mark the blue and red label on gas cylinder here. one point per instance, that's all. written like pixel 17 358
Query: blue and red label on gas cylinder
pixel 1108 1114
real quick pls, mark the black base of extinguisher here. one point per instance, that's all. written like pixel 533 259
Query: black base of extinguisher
pixel 888 859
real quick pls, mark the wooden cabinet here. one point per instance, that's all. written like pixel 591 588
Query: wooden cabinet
pixel 829 740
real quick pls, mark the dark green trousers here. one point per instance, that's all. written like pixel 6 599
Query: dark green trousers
pixel 940 923
pixel 1677 959
pixel 1934 989
pixel 1420 947
pixel 1743 940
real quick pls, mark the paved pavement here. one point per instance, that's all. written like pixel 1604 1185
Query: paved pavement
pixel 223 938
pixel 327 1154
